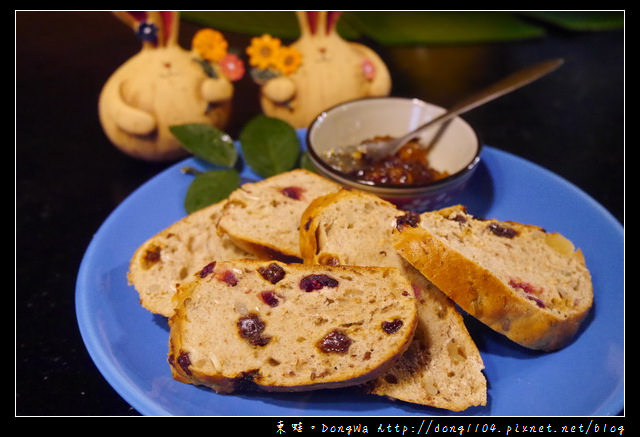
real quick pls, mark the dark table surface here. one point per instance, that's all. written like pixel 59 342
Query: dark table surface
pixel 69 178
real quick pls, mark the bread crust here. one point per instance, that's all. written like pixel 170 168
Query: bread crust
pixel 263 250
pixel 309 227
pixel 482 294
pixel 261 220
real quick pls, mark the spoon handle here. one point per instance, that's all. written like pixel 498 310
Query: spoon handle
pixel 501 87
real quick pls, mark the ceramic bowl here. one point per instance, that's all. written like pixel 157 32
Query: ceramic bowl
pixel 457 151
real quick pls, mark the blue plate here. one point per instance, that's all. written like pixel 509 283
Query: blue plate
pixel 586 378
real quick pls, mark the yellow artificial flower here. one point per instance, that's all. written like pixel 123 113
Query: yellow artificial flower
pixel 263 50
pixel 288 60
pixel 210 44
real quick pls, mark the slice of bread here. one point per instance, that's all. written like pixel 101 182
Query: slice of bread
pixel 528 284
pixel 263 217
pixel 288 327
pixel 175 254
pixel 442 368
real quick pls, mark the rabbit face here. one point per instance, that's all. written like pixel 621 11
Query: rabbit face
pixel 324 49
pixel 156 80
pixel 168 66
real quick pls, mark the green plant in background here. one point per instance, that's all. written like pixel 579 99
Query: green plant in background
pixel 580 20
pixel 418 27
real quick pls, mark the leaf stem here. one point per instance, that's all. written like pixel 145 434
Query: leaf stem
pixel 190 170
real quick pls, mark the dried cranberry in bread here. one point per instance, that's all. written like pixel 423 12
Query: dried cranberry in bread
pixel 524 282
pixel 442 367
pixel 263 217
pixel 288 327
pixel 175 254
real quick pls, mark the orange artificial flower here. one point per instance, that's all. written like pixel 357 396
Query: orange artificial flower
pixel 263 50
pixel 288 60
pixel 210 44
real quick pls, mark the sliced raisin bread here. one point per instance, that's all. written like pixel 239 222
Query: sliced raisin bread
pixel 175 254
pixel 288 327
pixel 263 217
pixel 524 282
pixel 442 367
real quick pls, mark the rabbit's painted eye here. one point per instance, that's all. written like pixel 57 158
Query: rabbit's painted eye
pixel 147 32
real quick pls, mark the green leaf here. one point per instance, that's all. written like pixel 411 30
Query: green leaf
pixel 261 76
pixel 580 20
pixel 280 24
pixel 207 67
pixel 207 142
pixel 416 27
pixel 442 27
pixel 269 145
pixel 210 187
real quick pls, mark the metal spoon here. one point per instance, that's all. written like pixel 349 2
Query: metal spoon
pixel 378 149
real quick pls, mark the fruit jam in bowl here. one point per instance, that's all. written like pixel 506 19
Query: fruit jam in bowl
pixel 414 178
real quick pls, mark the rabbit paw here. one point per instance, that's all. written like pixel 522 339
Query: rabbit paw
pixel 133 120
pixel 216 90
pixel 279 90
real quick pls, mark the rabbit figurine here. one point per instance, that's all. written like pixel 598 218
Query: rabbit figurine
pixel 331 70
pixel 160 86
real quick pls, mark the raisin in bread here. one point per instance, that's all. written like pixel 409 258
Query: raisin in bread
pixel 175 254
pixel 442 367
pixel 288 327
pixel 528 284
pixel 263 217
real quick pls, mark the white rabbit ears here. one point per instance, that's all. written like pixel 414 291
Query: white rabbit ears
pixel 153 28
pixel 317 22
